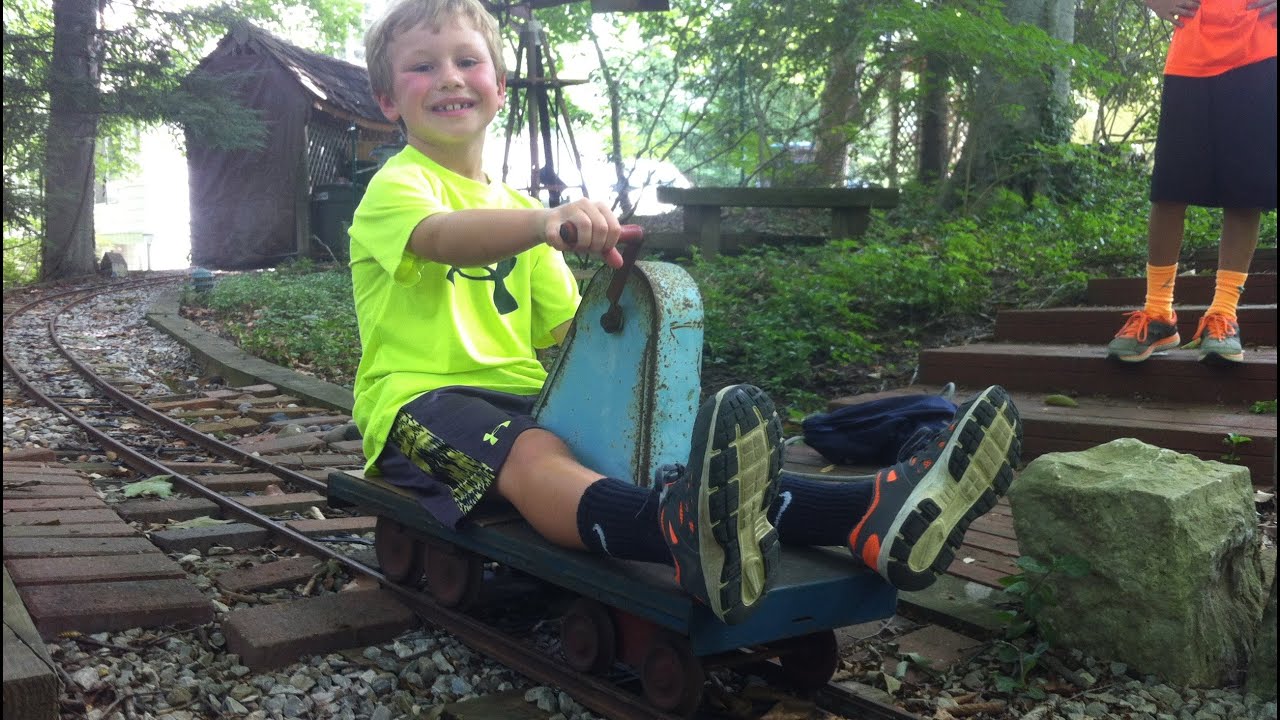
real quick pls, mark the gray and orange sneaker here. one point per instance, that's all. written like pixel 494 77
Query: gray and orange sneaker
pixel 1144 334
pixel 713 511
pixel 921 507
pixel 1218 339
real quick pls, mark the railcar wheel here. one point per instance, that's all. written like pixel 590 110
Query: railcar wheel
pixel 588 637
pixel 811 661
pixel 399 553
pixel 671 675
pixel 453 575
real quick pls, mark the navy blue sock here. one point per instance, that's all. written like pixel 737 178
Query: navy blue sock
pixel 619 519
pixel 818 512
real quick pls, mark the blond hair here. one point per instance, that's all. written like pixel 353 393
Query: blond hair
pixel 403 15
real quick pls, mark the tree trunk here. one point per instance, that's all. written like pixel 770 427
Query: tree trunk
pixel 839 108
pixel 933 120
pixel 68 249
pixel 840 105
pixel 1013 113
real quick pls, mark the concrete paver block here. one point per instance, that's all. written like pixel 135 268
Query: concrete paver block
pixel 46 491
pixel 158 511
pixel 110 606
pixel 30 454
pixel 75 570
pixel 239 481
pixel 289 502
pixel 269 575
pixel 50 547
pixel 273 635
pixel 233 426
pixel 36 466
pixel 274 444
pixel 233 535
pixel 18 477
pixel 942 647
pixel 118 528
pixel 165 406
pixel 259 390
pixel 74 503
pixel 335 526
pixel 59 517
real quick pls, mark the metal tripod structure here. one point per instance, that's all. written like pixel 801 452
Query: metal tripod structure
pixel 535 94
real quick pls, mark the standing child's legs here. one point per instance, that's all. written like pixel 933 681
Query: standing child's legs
pixel 1154 328
pixel 1244 124
pixel 1218 334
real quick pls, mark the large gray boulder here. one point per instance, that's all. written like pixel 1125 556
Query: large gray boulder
pixel 1175 586
pixel 1262 670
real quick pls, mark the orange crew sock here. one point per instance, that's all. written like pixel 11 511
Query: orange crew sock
pixel 1226 293
pixel 1160 290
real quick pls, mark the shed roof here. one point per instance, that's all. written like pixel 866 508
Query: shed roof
pixel 336 86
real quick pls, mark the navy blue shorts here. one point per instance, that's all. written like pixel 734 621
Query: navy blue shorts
pixel 1216 146
pixel 448 446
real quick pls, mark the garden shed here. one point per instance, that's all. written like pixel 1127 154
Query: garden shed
pixel 252 209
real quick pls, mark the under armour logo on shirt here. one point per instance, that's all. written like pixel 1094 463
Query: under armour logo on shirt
pixel 503 301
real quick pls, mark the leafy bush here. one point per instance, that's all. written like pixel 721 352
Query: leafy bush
pixel 295 317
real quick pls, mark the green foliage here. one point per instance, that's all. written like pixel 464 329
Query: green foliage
pixel 1028 595
pixel 1263 407
pixel 1234 441
pixel 295 317
pixel 1129 45
pixel 158 485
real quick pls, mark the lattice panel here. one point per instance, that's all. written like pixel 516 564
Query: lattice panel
pixel 328 153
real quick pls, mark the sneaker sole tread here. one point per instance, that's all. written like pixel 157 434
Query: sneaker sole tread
pixel 967 482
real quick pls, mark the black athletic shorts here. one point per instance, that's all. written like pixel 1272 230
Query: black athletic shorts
pixel 449 444
pixel 1216 146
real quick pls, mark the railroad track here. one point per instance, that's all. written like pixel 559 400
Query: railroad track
pixel 131 422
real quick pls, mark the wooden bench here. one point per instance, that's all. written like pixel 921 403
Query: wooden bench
pixel 850 207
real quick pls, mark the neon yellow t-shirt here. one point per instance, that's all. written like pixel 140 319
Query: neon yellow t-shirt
pixel 424 325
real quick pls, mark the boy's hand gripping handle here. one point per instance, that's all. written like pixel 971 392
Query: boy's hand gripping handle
pixel 631 238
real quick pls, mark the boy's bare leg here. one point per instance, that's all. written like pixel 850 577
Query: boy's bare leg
pixel 1239 238
pixel 544 482
pixel 1164 233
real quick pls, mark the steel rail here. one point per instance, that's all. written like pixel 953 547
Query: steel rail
pixel 178 428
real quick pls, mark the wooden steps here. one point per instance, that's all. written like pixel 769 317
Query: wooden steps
pixel 1172 400
pixel 1177 376
pixel 1097 325
pixel 1259 289
pixel 1197 429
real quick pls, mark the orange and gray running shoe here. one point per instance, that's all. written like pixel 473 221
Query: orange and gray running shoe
pixel 1142 335
pixel 921 507
pixel 713 512
pixel 1218 338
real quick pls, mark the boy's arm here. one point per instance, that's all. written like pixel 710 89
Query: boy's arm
pixel 560 331
pixel 473 238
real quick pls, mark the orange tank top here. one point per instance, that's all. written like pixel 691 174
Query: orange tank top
pixel 1223 35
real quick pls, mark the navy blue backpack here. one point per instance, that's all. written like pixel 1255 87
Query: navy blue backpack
pixel 875 432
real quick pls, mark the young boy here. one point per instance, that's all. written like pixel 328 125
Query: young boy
pixel 459 279
pixel 1215 147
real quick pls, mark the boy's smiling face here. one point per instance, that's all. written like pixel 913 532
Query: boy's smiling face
pixel 445 88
